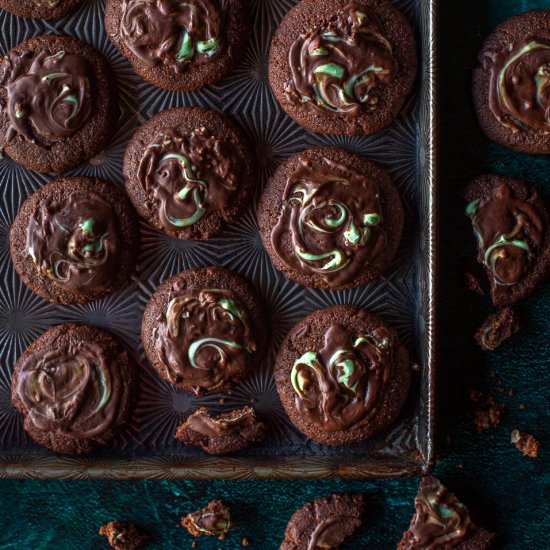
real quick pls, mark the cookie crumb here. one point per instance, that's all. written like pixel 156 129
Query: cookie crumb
pixel 194 544
pixel 472 281
pixel 222 401
pixel 525 443
pixel 489 412
pixel 123 536
pixel 245 542
pixel 497 328
pixel 521 406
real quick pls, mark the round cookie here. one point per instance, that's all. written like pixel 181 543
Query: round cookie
pixel 188 170
pixel 75 240
pixel 341 67
pixel 39 9
pixel 342 375
pixel 511 84
pixel 205 329
pixel 58 103
pixel 330 219
pixel 511 223
pixel 179 46
pixel 75 385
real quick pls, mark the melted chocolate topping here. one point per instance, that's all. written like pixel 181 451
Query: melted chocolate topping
pixel 75 242
pixel 204 338
pixel 47 95
pixel 327 534
pixel 72 390
pixel 440 518
pixel 169 32
pixel 519 94
pixel 510 234
pixel 333 216
pixel 339 67
pixel 221 426
pixel 342 385
pixel 187 177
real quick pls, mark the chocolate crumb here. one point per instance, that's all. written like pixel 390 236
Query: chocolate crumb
pixel 194 544
pixel 123 536
pixel 525 443
pixel 512 392
pixel 222 401
pixel 496 328
pixel 522 406
pixel 245 542
pixel 473 281
pixel 489 412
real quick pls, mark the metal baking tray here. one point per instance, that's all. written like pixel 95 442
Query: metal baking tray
pixel 404 296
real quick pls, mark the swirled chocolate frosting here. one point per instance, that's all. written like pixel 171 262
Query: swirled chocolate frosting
pixel 47 95
pixel 72 390
pixel 173 33
pixel 440 518
pixel 333 217
pixel 222 426
pixel 519 94
pixel 510 234
pixel 340 386
pixel 340 66
pixel 187 176
pixel 204 338
pixel 75 242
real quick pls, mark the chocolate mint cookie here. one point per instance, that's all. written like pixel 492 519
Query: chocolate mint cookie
pixel 342 375
pixel 510 220
pixel 188 170
pixel 330 219
pixel 227 433
pixel 124 536
pixel 58 103
pixel 214 520
pixel 179 46
pixel 39 9
pixel 204 329
pixel 442 521
pixel 75 240
pixel 75 385
pixel 511 85
pixel 324 523
pixel 341 66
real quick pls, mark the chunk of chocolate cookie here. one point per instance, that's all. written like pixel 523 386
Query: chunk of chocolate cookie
pixel 511 85
pixel 324 523
pixel 180 46
pixel 341 66
pixel 58 103
pixel 214 520
pixel 123 536
pixel 496 328
pixel 75 240
pixel 227 433
pixel 342 375
pixel 188 171
pixel 442 521
pixel 39 9
pixel 204 329
pixel 75 385
pixel 330 219
pixel 511 223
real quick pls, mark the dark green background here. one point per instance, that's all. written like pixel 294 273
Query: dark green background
pixel 509 492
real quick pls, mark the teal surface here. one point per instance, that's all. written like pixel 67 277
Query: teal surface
pixel 510 493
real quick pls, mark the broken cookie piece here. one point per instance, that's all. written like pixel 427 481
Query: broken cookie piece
pixel 228 433
pixel 525 443
pixel 214 520
pixel 488 412
pixel 442 521
pixel 496 328
pixel 123 536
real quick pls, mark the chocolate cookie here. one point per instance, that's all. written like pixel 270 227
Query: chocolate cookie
pixel 75 385
pixel 75 240
pixel 330 219
pixel 442 521
pixel 188 170
pixel 58 103
pixel 39 9
pixel 511 223
pixel 180 46
pixel 341 66
pixel 511 84
pixel 204 329
pixel 124 536
pixel 342 375
pixel 219 435
pixel 214 520
pixel 324 523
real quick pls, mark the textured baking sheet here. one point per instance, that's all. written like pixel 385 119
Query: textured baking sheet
pixel 404 296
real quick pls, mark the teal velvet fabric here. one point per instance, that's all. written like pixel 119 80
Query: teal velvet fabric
pixel 508 492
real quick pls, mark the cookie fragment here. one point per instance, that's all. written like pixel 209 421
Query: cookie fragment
pixel 227 433
pixel 496 328
pixel 525 443
pixel 124 536
pixel 214 520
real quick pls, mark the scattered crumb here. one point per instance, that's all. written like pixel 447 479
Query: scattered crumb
pixel 416 367
pixel 245 542
pixel 123 536
pixel 525 443
pixel 222 536
pixel 194 544
pixel 522 406
pixel 512 392
pixel 222 401
pixel 496 328
pixel 472 281
pixel 461 465
pixel 253 400
pixel 501 389
pixel 489 412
